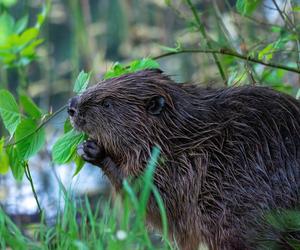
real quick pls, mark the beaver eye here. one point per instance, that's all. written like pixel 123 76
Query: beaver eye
pixel 106 103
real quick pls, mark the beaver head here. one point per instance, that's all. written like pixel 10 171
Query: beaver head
pixel 130 114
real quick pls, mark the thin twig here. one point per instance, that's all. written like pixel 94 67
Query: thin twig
pixel 29 178
pixel 242 45
pixel 203 33
pixel 290 24
pixel 39 127
pixel 292 21
pixel 229 52
pixel 284 17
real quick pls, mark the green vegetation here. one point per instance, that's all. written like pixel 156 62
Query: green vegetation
pixel 232 44
pixel 78 226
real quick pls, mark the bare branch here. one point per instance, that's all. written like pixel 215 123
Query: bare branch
pixel 229 52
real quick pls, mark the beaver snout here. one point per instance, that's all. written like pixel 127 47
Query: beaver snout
pixel 76 115
pixel 73 105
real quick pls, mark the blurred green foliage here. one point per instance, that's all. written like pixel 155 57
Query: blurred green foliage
pixel 18 42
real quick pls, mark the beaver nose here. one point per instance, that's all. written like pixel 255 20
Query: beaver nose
pixel 73 106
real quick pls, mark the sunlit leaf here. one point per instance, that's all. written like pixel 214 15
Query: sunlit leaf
pixel 65 146
pixel 9 58
pixel 116 70
pixel 267 52
pixel 82 82
pixel 67 126
pixel 145 63
pixel 21 24
pixel 30 50
pixel 42 16
pixel 29 139
pixel 15 162
pixel 28 35
pixel 148 178
pixel 276 29
pixel 4 161
pixel 9 111
pixel 8 3
pixel 120 69
pixel 6 27
pixel 296 8
pixel 246 7
pixel 79 163
pixel 30 107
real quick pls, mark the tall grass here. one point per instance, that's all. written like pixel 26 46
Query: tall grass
pixel 118 224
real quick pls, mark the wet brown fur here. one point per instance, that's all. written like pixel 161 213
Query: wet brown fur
pixel 230 154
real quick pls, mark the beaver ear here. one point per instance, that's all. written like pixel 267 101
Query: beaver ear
pixel 155 105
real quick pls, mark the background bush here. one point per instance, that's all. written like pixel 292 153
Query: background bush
pixel 51 50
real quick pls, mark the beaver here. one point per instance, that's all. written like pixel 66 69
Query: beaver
pixel 230 155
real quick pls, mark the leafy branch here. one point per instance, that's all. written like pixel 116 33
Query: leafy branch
pixel 206 38
pixel 41 125
pixel 229 52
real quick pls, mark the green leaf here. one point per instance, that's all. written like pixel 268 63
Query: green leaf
pixel 65 146
pixel 82 82
pixel 136 65
pixel 29 139
pixel 30 107
pixel 21 24
pixel 42 16
pixel 67 126
pixel 30 50
pixel 246 7
pixel 267 52
pixel 6 27
pixel 145 63
pixel 116 70
pixel 4 161
pixel 168 2
pixel 276 29
pixel 28 35
pixel 9 111
pixel 8 3
pixel 9 58
pixel 79 163
pixel 15 162
pixel 148 179
pixel 296 8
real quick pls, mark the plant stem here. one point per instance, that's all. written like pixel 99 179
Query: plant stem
pixel 29 178
pixel 291 25
pixel 4 79
pixel 229 52
pixel 204 34
pixel 23 81
pixel 285 18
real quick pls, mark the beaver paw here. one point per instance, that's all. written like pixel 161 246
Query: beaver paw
pixel 91 152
